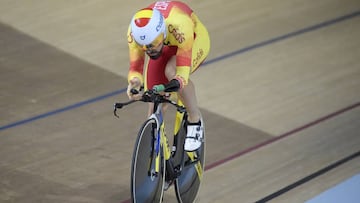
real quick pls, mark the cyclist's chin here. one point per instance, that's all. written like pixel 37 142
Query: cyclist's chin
pixel 154 55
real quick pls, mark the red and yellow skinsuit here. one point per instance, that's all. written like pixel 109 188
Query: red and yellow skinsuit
pixel 186 37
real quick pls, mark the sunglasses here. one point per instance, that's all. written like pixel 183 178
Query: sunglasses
pixel 156 43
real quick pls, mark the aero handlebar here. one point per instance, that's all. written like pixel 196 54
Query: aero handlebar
pixel 152 96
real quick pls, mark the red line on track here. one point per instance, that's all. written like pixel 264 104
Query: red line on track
pixel 287 134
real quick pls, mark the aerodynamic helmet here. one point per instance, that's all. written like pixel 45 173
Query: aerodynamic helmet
pixel 148 27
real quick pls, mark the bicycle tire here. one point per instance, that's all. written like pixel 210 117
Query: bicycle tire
pixel 145 186
pixel 187 185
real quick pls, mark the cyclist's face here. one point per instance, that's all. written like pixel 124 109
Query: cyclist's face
pixel 154 49
pixel 154 52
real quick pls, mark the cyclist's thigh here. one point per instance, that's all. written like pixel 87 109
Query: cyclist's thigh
pixel 155 69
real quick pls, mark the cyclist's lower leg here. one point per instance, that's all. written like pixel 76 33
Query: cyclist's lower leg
pixel 187 95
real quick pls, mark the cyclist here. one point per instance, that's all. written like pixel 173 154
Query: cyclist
pixel 176 41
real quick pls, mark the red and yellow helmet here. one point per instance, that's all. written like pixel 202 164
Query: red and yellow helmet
pixel 148 27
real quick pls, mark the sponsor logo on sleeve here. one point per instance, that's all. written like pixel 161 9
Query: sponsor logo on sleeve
pixel 198 57
pixel 179 36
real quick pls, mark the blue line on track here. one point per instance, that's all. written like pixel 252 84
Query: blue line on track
pixel 286 36
pixel 220 58
pixel 73 106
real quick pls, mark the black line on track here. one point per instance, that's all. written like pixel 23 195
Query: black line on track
pixel 308 178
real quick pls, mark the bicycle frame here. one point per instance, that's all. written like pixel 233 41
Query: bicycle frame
pixel 161 138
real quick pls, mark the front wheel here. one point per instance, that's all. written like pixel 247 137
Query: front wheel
pixel 147 182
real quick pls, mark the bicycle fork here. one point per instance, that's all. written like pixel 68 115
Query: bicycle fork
pixel 172 171
pixel 154 158
pixel 160 142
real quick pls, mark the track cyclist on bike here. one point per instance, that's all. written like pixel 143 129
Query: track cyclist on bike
pixel 177 43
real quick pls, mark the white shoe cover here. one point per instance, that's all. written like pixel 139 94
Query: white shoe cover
pixel 194 137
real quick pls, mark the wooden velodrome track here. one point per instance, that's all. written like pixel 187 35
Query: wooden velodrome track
pixel 279 94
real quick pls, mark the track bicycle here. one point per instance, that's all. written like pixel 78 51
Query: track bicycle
pixel 155 164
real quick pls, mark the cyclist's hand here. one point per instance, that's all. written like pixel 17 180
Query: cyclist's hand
pixel 172 86
pixel 134 83
pixel 158 88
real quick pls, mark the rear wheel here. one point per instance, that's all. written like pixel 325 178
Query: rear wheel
pixel 187 185
pixel 146 184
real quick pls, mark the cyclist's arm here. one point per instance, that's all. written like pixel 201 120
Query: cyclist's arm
pixel 137 59
pixel 184 52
